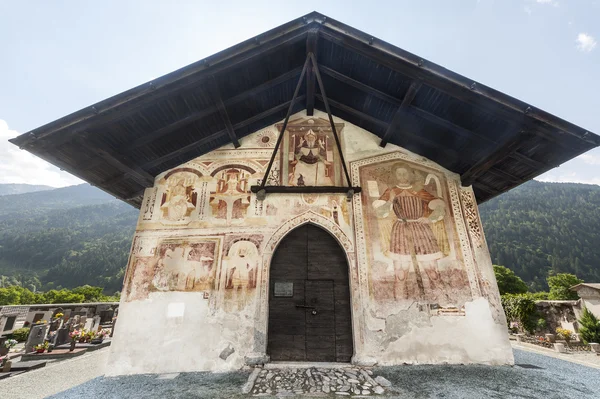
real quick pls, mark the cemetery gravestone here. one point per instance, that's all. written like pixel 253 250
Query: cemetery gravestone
pixel 96 323
pixel 36 336
pixel 88 324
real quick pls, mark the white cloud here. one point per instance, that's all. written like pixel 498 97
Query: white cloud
pixel 19 166
pixel 585 42
pixel 590 159
pixel 527 9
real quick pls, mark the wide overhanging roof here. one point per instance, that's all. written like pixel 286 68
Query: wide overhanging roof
pixel 494 141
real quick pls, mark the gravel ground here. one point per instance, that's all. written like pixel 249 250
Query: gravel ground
pixel 551 378
pixel 55 377
pixel 554 378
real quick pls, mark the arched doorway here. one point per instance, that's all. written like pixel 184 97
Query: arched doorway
pixel 309 299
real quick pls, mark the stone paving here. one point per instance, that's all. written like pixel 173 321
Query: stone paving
pixel 318 382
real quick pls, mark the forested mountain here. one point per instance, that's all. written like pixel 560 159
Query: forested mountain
pixel 8 189
pixel 541 227
pixel 38 202
pixel 79 235
pixel 65 238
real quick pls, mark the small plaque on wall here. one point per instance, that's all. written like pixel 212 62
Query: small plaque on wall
pixel 283 289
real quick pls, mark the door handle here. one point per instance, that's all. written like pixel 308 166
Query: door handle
pixel 305 307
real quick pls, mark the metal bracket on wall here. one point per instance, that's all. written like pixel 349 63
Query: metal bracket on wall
pixel 262 189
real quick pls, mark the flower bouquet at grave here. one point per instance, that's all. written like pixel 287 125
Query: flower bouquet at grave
pixel 99 336
pixel 565 334
pixel 75 335
pixel 10 343
pixel 40 348
pixel 59 316
pixel 7 346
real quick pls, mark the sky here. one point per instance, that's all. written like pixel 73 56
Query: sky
pixel 57 57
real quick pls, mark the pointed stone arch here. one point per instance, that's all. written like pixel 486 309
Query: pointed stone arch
pixel 259 354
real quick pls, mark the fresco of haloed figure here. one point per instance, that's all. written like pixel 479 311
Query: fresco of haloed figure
pixel 413 252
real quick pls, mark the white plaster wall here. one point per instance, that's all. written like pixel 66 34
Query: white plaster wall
pixel 174 331
pixel 177 332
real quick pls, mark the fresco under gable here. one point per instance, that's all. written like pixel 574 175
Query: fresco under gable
pixel 422 286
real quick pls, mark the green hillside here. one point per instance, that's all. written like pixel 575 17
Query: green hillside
pixel 80 235
pixel 541 227
pixel 65 238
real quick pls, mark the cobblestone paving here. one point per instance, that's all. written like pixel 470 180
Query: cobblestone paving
pixel 318 382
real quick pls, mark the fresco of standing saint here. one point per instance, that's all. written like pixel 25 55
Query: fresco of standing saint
pixel 412 241
pixel 413 255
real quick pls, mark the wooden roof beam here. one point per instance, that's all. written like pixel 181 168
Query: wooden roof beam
pixel 532 163
pixel 119 161
pixel 484 187
pixel 359 85
pixel 311 47
pixel 217 135
pixel 384 125
pixel 399 115
pixel 509 147
pixel 133 100
pixel 504 175
pixel 223 112
pixel 195 116
pixel 478 96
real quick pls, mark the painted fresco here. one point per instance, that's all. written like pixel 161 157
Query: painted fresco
pixel 177 265
pixel 309 155
pixel 412 251
pixel 180 197
pixel 231 196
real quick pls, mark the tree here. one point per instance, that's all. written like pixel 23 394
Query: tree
pixel 10 296
pixel 62 296
pixel 90 294
pixel 559 286
pixel 589 327
pixel 508 281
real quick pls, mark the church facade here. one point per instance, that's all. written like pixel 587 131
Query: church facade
pixel 309 194
pixel 218 278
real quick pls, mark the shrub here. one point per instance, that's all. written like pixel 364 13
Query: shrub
pixel 541 324
pixel 21 334
pixel 521 308
pixel 589 329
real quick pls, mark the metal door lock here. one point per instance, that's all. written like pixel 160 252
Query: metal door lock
pixel 314 312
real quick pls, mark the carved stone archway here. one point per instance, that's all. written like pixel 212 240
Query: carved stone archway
pixel 259 353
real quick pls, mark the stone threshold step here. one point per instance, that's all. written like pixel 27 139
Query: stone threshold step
pixel 307 365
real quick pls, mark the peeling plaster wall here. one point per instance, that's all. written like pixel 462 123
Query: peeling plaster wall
pixel 195 293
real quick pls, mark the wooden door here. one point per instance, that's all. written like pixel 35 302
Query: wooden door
pixel 309 299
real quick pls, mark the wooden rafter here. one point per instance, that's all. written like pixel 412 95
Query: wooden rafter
pixel 484 99
pixel 195 116
pixel 205 140
pixel 510 146
pixel 119 161
pixel 384 126
pixel 223 112
pixel 311 47
pixel 145 94
pixel 416 112
pixel 399 115
pixel 361 86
